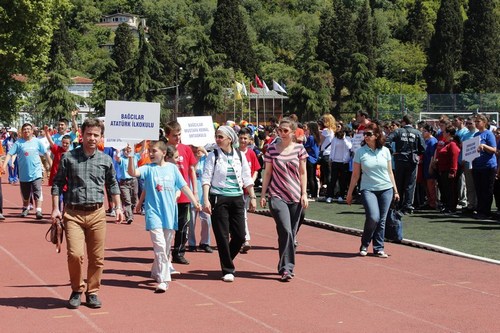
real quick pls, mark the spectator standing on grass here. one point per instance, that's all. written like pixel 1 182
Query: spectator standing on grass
pixel 428 172
pixel 244 140
pixel 161 182
pixel 447 162
pixel 484 168
pixel 340 155
pixel 467 169
pixel 225 176
pixel 408 146
pixel 27 150
pixel 86 171
pixel 327 126
pixel 312 148
pixel 372 162
pixel 285 183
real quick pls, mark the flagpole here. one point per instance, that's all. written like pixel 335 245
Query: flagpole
pixel 257 109
pixel 234 110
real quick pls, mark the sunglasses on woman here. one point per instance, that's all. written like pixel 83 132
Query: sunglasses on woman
pixel 368 134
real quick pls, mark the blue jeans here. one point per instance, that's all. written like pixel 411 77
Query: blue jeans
pixel 376 204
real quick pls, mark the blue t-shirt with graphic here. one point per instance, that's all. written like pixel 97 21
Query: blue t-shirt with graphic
pixel 28 157
pixel 160 204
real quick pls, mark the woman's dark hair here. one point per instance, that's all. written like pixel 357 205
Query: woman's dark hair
pixel 341 131
pixel 245 131
pixel 380 137
pixel 430 129
pixel 314 131
pixel 452 132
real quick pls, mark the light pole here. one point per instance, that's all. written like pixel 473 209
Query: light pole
pixel 401 90
pixel 177 90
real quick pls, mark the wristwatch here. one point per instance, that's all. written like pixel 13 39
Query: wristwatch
pixel 252 197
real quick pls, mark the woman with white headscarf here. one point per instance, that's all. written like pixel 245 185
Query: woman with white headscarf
pixel 225 175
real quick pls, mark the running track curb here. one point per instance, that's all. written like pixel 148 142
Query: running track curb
pixel 409 242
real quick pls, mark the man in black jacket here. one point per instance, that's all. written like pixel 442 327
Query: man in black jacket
pixel 407 144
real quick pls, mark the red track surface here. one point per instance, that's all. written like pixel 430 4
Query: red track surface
pixel 334 289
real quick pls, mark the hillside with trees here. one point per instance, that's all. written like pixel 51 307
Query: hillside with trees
pixel 332 55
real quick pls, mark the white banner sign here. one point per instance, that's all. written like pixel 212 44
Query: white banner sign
pixel 197 131
pixel 469 149
pixel 357 139
pixel 119 143
pixel 132 120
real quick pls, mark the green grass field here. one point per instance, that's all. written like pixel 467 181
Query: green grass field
pixel 481 238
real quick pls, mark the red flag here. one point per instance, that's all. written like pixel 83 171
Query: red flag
pixel 252 89
pixel 258 82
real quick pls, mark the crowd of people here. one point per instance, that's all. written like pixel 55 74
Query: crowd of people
pixel 292 163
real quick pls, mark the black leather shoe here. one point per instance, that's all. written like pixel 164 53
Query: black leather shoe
pixel 207 248
pixel 75 300
pixel 93 301
pixel 180 260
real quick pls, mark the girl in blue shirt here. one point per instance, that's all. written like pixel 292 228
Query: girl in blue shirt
pixel 161 182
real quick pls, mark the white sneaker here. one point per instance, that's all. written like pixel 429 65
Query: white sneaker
pixel 228 278
pixel 329 200
pixel 381 254
pixel 340 199
pixel 363 251
pixel 173 271
pixel 161 287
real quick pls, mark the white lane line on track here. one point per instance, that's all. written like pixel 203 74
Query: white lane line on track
pixel 358 298
pixel 211 299
pixel 86 319
pixel 461 285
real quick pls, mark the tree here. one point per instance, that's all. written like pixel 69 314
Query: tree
pixel 143 84
pixel 360 85
pixel 107 86
pixel 481 47
pixel 419 28
pixel 229 36
pixel 364 33
pixel 54 99
pixel 25 35
pixel 444 53
pixel 124 56
pixel 61 43
pixel 336 44
pixel 209 78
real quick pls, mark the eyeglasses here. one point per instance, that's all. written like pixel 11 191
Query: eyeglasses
pixel 468 123
pixel 368 134
pixel 220 137
pixel 284 130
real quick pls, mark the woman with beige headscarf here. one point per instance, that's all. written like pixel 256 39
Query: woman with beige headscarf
pixel 225 175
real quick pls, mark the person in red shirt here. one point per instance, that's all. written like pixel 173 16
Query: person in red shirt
pixel 447 162
pixel 245 139
pixel 57 152
pixel 187 166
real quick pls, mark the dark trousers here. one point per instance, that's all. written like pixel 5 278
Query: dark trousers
pixel 228 224
pixel 484 180
pixel 287 217
pixel 181 235
pixel 340 173
pixel 324 169
pixel 405 174
pixel 312 183
pixel 449 191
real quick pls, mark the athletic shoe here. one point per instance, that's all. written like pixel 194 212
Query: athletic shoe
pixel 245 247
pixel 285 277
pixel 39 215
pixel 25 212
pixel 112 213
pixel 329 200
pixel 173 271
pixel 161 287
pixel 363 251
pixel 381 254
pixel 129 221
pixel 340 200
pixel 2 217
pixel 228 278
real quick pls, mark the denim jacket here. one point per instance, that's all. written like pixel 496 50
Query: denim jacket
pixel 217 177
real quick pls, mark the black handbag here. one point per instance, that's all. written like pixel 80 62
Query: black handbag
pixel 394 225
